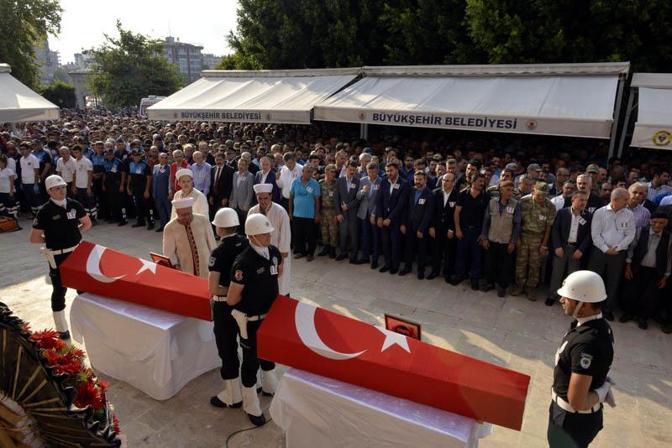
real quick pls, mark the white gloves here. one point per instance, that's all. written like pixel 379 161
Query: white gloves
pixel 605 394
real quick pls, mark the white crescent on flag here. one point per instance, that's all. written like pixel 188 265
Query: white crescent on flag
pixel 93 265
pixel 304 318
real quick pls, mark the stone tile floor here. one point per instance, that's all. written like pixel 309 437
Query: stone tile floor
pixel 510 331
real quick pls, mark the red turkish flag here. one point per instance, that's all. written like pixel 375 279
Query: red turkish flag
pixel 96 269
pixel 329 344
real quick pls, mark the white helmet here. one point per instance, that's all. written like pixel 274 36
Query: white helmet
pixel 257 224
pixel 226 217
pixel 54 181
pixel 583 286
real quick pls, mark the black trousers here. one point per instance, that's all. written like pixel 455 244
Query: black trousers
pixel 144 208
pixel 641 294
pixel 88 202
pixel 391 240
pixel 348 230
pixel 415 246
pixel 251 363
pixel 305 235
pixel 226 338
pixel 58 290
pixel 569 430
pixel 498 265
pixel 443 251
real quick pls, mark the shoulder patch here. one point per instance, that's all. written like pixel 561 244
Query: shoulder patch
pixel 211 261
pixel 238 275
pixel 586 360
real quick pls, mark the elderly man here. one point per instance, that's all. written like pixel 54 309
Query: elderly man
pixel 242 193
pixel 612 231
pixel 584 183
pixel 288 173
pixel 304 209
pixel 188 239
pixel 637 192
pixel 281 237
pixel 185 181
pixel 178 164
pixel 564 199
pixel 202 172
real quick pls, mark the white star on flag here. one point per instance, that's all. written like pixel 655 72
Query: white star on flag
pixel 392 338
pixel 146 266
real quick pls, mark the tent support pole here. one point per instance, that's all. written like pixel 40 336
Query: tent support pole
pixel 364 131
pixel 614 129
pixel 626 123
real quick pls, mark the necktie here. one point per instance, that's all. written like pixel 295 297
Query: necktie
pixel 217 173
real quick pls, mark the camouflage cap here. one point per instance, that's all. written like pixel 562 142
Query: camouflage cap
pixel 541 187
pixel 592 168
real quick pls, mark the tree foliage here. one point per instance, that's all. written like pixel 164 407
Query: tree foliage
pixel 130 67
pixel 336 33
pixel 24 24
pixel 61 94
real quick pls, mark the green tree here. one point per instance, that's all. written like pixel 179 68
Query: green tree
pixel 24 24
pixel 61 94
pixel 519 31
pixel 131 67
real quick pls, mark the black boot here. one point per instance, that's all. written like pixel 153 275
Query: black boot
pixel 324 251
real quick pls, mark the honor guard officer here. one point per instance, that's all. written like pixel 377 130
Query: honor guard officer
pixel 580 382
pixel 253 288
pixel 58 226
pixel 226 329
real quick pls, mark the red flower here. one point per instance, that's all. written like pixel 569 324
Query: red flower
pixel 115 424
pixel 88 394
pixel 47 340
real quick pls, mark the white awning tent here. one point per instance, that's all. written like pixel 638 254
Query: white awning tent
pixel 653 128
pixel 575 100
pixel 273 96
pixel 19 103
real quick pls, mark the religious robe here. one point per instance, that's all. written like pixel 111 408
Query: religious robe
pixel 191 254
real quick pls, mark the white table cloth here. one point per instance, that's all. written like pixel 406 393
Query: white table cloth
pixel 315 411
pixel 155 351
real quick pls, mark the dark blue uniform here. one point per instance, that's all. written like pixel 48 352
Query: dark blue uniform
pixel 112 181
pixel 138 173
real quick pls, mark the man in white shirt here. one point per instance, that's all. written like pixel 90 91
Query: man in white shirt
pixel 565 198
pixel 30 178
pixel 82 183
pixel 288 173
pixel 66 167
pixel 612 230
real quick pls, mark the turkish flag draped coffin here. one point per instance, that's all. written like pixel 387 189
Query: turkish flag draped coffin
pixel 96 269
pixel 329 344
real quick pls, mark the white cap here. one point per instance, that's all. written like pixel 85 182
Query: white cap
pixel 263 188
pixel 183 203
pixel 184 172
pixel 54 181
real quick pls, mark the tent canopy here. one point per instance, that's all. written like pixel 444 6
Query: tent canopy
pixel 273 96
pixel 653 128
pixel 552 99
pixel 19 103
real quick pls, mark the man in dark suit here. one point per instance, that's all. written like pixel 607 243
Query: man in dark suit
pixel 392 200
pixel 221 182
pixel 418 218
pixel 647 271
pixel 570 241
pixel 266 175
pixel 346 212
pixel 442 229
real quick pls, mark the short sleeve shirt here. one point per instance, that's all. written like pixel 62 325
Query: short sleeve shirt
pixel 223 256
pixel 259 276
pixel 473 209
pixel 28 166
pixel 84 166
pixel 304 195
pixel 60 224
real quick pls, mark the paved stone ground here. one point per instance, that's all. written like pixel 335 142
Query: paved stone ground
pixel 511 332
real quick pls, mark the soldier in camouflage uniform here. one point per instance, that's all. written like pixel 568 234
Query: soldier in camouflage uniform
pixel 328 223
pixel 538 214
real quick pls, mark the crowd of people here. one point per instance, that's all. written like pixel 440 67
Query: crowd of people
pixel 505 217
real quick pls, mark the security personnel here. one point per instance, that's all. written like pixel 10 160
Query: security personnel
pixel 114 181
pixel 328 223
pixel 138 187
pixel 538 214
pixel 226 329
pixel 253 288
pixel 58 226
pixel 580 381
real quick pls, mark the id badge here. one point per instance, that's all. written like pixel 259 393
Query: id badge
pixel 138 171
pixel 274 270
pixel 395 186
pixel 542 217
pixel 309 189
pixel 331 194
pixel 582 221
pixel 72 214
pixel 509 210
pixel 113 170
pixel 421 201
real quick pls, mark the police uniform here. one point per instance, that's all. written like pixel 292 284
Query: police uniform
pixel 328 224
pixel 226 329
pixel 586 349
pixel 61 236
pixel 138 173
pixel 111 182
pixel 259 276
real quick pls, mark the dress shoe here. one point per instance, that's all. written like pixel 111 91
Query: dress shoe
pixel 324 251
pixel 474 285
pixel 310 257
pixel 625 318
pixel 667 328
pixel 64 335
pixel 150 225
pixel 549 302
pixel 385 268
pixel 643 324
pixel 404 272
pixel 216 402
pixel 394 270
pixel 456 280
pixel 257 420
pixel 421 274
pixel 332 252
pixel 359 261
pixel 501 291
pixel 485 286
pixel 432 275
pixel 608 315
pixel 341 256
pixel 374 265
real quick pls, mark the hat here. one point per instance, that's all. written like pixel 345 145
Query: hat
pixel 184 172
pixel 592 168
pixel 263 188
pixel 541 187
pixel 513 166
pixel 54 181
pixel 183 203
pixel 658 214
